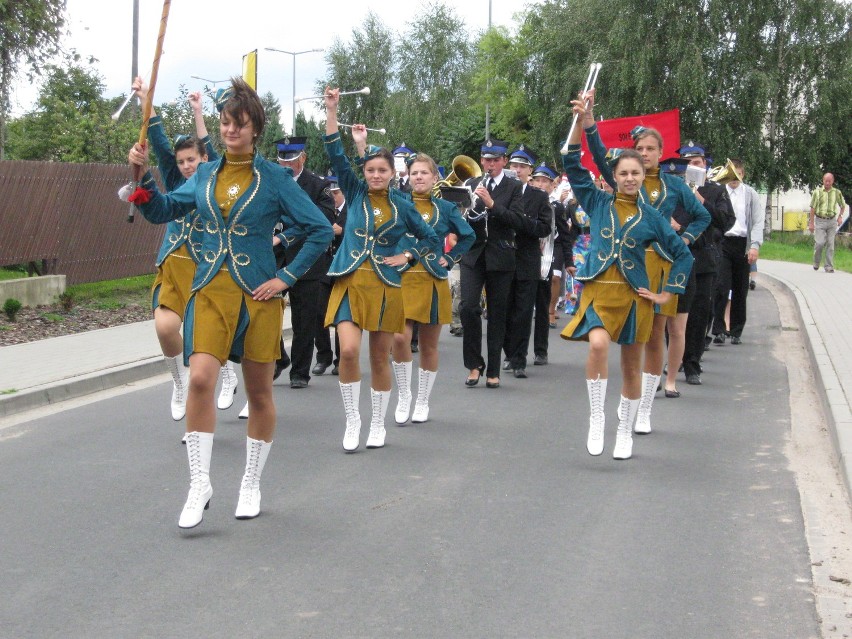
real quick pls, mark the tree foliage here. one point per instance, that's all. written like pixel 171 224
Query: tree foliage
pixel 29 35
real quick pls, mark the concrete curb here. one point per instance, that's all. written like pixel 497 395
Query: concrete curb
pixel 830 391
pixel 74 387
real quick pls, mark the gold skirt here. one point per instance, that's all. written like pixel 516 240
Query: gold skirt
pixel 425 298
pixel 609 302
pixel 223 320
pixel 173 284
pixel 361 297
pixel 658 274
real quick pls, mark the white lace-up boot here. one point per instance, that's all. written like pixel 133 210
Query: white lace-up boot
pixel 244 412
pixel 425 380
pixel 597 419
pixel 351 396
pixel 627 409
pixel 402 372
pixel 643 416
pixel 180 377
pixel 379 400
pixel 199 448
pixel 248 505
pixel 229 387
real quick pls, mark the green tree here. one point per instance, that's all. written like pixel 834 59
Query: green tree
pixel 29 35
pixel 314 146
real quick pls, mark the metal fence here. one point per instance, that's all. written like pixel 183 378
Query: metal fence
pixel 69 218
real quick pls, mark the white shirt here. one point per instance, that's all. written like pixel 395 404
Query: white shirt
pixel 495 181
pixel 738 197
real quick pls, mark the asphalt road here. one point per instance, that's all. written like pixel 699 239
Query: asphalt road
pixel 491 520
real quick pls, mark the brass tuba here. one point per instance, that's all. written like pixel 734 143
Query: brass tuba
pixel 464 168
pixel 724 174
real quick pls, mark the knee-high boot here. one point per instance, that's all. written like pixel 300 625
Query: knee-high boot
pixel 248 505
pixel 180 377
pixel 627 409
pixel 597 419
pixel 199 449
pixel 425 381
pixel 649 390
pixel 380 400
pixel 351 397
pixel 230 381
pixel 402 372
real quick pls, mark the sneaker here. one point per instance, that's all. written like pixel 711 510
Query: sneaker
pixel 719 339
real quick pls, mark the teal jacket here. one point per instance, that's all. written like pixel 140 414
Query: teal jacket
pixel 674 191
pixel 183 230
pixel 244 243
pixel 446 218
pixel 624 245
pixel 361 241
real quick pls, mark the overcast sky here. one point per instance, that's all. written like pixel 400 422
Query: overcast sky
pixel 209 38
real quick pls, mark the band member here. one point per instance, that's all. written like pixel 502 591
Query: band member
pixel 538 224
pixel 548 288
pixel 400 165
pixel 425 290
pixel 235 306
pixel 325 356
pixel 705 252
pixel 617 304
pixel 664 193
pixel 490 263
pixel 366 295
pixel 177 257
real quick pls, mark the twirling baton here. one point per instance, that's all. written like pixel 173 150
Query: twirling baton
pixel 594 69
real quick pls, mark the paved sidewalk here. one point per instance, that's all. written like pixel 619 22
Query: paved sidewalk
pixel 825 306
pixel 52 370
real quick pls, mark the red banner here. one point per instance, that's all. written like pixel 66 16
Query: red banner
pixel 616 133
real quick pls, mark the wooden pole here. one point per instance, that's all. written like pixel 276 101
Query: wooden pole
pixel 146 109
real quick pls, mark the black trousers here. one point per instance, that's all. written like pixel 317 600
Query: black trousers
pixel 733 277
pixel 323 334
pixel 497 285
pixel 519 322
pixel 305 306
pixel 541 323
pixel 696 324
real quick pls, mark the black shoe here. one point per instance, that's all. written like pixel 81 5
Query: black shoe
pixel 414 347
pixel 280 366
pixel 694 379
pixel 540 360
pixel 507 365
pixel 752 285
pixel 736 340
pixel 470 382
pixel 520 373
pixel 319 368
pixel 298 382
pixel 335 370
pixel 492 384
pixel 719 339
pixel 671 394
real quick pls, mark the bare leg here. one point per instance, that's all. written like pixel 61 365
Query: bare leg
pixel 631 370
pixel 677 344
pixel 597 364
pixel 380 346
pixel 429 334
pixel 402 343
pixel 350 352
pixel 200 405
pixel 167 324
pixel 655 349
pixel 257 378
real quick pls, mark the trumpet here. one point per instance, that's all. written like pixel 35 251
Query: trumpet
pixel 724 174
pixel 124 104
pixel 594 69
pixel 349 126
pixel 364 91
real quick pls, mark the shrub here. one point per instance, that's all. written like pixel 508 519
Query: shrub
pixel 11 308
pixel 67 300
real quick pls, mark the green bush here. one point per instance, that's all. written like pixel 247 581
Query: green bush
pixel 11 308
pixel 67 300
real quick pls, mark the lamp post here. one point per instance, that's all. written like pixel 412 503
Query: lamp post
pixel 213 82
pixel 294 54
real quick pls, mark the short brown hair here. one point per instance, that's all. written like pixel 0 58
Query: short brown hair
pixel 628 154
pixel 649 133
pixel 426 159
pixel 245 103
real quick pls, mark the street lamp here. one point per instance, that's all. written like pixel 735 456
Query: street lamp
pixel 213 82
pixel 294 54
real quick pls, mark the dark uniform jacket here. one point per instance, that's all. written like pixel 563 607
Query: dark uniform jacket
pixel 722 216
pixel 316 188
pixel 536 225
pixel 563 254
pixel 495 231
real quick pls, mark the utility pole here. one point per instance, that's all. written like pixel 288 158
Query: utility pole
pixel 134 55
pixel 488 87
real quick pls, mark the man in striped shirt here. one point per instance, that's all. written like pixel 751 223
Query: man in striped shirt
pixel 824 220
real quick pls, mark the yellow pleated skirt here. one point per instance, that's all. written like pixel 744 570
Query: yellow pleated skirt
pixel 609 302
pixel 173 283
pixel 224 321
pixel 425 298
pixel 361 297
pixel 658 274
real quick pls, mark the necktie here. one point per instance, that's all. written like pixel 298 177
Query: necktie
pixel 489 184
